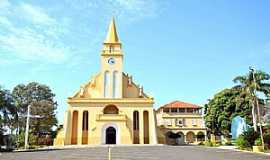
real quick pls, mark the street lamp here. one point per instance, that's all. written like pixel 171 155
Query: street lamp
pixel 257 106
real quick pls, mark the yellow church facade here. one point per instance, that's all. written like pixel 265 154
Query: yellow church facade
pixel 110 108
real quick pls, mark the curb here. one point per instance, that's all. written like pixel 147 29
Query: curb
pixel 239 150
pixel 268 154
pixel 49 148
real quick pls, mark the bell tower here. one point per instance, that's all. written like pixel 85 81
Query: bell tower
pixel 112 64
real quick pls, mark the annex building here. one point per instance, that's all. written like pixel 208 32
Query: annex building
pixel 110 108
pixel 180 123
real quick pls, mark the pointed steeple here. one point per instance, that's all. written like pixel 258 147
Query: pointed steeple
pixel 112 44
pixel 112 36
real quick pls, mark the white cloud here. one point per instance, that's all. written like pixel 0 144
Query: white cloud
pixel 36 15
pixel 4 4
pixel 130 10
pixel 29 45
pixel 28 33
pixel 4 62
pixel 31 33
pixel 5 22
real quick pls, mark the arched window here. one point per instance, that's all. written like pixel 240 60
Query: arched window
pixel 85 121
pixel 110 109
pixel 136 139
pixel 146 127
pixel 115 85
pixel 106 83
pixel 190 137
pixel 200 136
pixel 136 120
pixel 85 127
pixel 74 127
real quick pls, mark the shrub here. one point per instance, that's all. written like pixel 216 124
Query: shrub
pixel 247 139
pixel 228 143
pixel 242 143
pixel 20 140
pixel 258 142
pixel 209 144
pixel 201 143
pixel 250 136
pixel 266 138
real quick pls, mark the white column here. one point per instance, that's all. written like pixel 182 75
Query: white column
pixel 89 127
pixel 152 127
pixel 67 127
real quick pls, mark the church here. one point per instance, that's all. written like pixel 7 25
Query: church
pixel 110 108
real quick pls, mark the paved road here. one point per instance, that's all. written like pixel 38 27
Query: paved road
pixel 136 153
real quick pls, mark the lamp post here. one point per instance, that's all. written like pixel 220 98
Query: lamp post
pixel 257 105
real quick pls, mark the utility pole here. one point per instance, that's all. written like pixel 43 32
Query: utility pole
pixel 257 104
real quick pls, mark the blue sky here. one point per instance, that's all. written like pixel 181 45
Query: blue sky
pixel 178 50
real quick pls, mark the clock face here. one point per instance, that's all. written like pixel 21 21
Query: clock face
pixel 111 61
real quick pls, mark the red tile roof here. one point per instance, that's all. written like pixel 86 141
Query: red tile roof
pixel 179 104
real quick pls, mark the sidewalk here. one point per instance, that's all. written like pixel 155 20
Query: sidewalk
pixel 234 148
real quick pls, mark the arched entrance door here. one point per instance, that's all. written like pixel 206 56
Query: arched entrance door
pixel 190 137
pixel 174 138
pixel 110 135
pixel 180 139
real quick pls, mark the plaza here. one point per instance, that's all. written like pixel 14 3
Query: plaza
pixel 158 152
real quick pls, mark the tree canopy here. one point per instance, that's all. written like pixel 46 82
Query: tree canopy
pixel 7 109
pixel 249 83
pixel 238 100
pixel 225 105
pixel 41 101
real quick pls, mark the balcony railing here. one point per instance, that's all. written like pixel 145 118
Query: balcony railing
pixel 182 113
pixel 177 115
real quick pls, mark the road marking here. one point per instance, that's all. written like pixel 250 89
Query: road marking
pixel 109 153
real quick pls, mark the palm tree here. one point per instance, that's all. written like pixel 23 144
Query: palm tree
pixel 249 84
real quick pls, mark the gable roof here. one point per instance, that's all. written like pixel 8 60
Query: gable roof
pixel 179 104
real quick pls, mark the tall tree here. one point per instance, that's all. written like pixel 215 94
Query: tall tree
pixel 41 101
pixel 225 105
pixel 7 110
pixel 249 84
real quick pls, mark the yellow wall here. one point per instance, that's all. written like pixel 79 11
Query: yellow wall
pixel 97 120
pixel 186 128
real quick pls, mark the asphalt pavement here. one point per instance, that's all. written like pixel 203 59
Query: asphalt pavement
pixel 136 153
